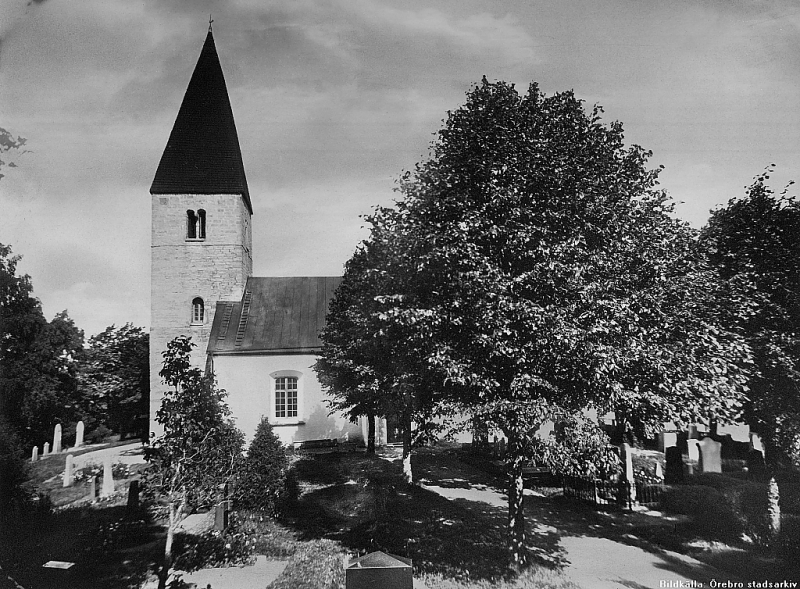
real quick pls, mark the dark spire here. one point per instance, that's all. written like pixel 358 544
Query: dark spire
pixel 203 155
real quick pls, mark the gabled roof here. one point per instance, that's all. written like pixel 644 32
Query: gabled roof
pixel 202 154
pixel 275 315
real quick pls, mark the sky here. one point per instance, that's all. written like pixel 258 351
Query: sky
pixel 334 99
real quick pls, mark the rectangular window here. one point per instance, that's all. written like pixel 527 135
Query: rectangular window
pixel 286 396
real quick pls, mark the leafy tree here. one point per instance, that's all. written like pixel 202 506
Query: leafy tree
pixel 13 467
pixel 533 268
pixel 115 379
pixel 38 359
pixel 9 144
pixel 261 483
pixel 200 449
pixel 755 241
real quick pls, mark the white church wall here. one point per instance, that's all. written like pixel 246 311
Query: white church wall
pixel 249 381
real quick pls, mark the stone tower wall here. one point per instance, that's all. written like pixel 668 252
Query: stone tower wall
pixel 215 269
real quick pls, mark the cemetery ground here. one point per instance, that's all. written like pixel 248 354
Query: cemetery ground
pixel 451 524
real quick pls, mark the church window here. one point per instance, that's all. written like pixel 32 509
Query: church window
pixel 191 225
pixel 198 311
pixel 201 224
pixel 286 396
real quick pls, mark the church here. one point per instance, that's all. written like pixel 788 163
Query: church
pixel 258 335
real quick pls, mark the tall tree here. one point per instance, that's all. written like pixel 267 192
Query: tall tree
pixel 200 449
pixel 38 359
pixel 115 379
pixel 534 269
pixel 755 240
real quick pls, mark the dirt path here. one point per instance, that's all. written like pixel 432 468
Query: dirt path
pixel 594 549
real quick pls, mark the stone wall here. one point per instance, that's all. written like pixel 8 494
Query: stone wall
pixel 215 268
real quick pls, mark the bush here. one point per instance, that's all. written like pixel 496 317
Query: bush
pixel 262 482
pixel 13 466
pixel 214 549
pixel 789 539
pixel 723 507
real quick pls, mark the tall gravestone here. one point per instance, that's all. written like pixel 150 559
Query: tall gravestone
pixel 659 474
pixel 694 449
pixel 674 459
pixel 46 449
pixel 35 454
pixel 710 455
pixel 756 466
pixel 68 467
pixel 93 488
pixel 627 463
pixel 79 434
pixel 133 498
pixel 756 443
pixel 108 478
pixel 57 439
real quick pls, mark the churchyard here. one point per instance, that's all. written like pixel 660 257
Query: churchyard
pixel 451 523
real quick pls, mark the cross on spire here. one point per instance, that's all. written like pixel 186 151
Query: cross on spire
pixel 210 20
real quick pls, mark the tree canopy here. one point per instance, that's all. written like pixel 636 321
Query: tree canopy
pixel 755 240
pixel 532 268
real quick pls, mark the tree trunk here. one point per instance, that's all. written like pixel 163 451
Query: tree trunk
pixel 407 474
pixel 370 432
pixel 516 515
pixel 167 563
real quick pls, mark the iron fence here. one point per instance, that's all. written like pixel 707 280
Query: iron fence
pixel 616 493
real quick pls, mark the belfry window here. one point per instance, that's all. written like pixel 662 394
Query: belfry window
pixel 191 225
pixel 201 224
pixel 196 224
pixel 198 311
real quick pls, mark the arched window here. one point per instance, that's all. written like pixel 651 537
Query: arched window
pixel 191 225
pixel 198 310
pixel 201 214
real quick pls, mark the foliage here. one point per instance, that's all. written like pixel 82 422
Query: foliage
pixel 200 449
pixel 261 483
pixel 755 240
pixel 316 564
pixel 115 379
pixel 578 448
pixel 531 269
pixel 39 360
pixel 9 144
pixel 231 547
pixel 13 466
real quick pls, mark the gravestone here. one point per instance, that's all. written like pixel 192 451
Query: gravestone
pixel 756 466
pixel 35 454
pixel 674 460
pixel 133 498
pixel 694 450
pixel 57 439
pixel 379 569
pixel 93 488
pixel 68 467
pixel 710 455
pixel 108 478
pixel 79 434
pixel 692 433
pixel 46 450
pixel 502 448
pixel 756 443
pixel 627 462
pixel 668 439
pixel 659 472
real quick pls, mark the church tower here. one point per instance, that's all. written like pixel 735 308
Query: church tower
pixel 201 247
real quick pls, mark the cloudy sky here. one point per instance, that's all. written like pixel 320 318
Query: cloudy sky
pixel 333 99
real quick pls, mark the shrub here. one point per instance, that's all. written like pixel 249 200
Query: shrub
pixel 214 549
pixel 13 466
pixel 789 539
pixel 261 484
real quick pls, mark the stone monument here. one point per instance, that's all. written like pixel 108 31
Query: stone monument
pixel 710 455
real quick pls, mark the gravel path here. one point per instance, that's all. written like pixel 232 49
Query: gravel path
pixel 574 537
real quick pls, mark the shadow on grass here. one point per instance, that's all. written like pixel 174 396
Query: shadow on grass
pixel 108 549
pixel 373 510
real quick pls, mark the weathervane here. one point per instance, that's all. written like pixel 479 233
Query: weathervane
pixel 210 20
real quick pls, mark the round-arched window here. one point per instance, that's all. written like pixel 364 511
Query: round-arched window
pixel 198 310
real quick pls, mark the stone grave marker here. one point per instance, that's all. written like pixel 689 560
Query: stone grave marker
pixel 93 488
pixel 68 467
pixel 35 454
pixel 668 439
pixel 694 449
pixel 659 472
pixel 674 472
pixel 710 455
pixel 756 466
pixel 46 449
pixel 627 461
pixel 756 443
pixel 379 569
pixel 57 439
pixel 108 478
pixel 79 434
pixel 133 497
